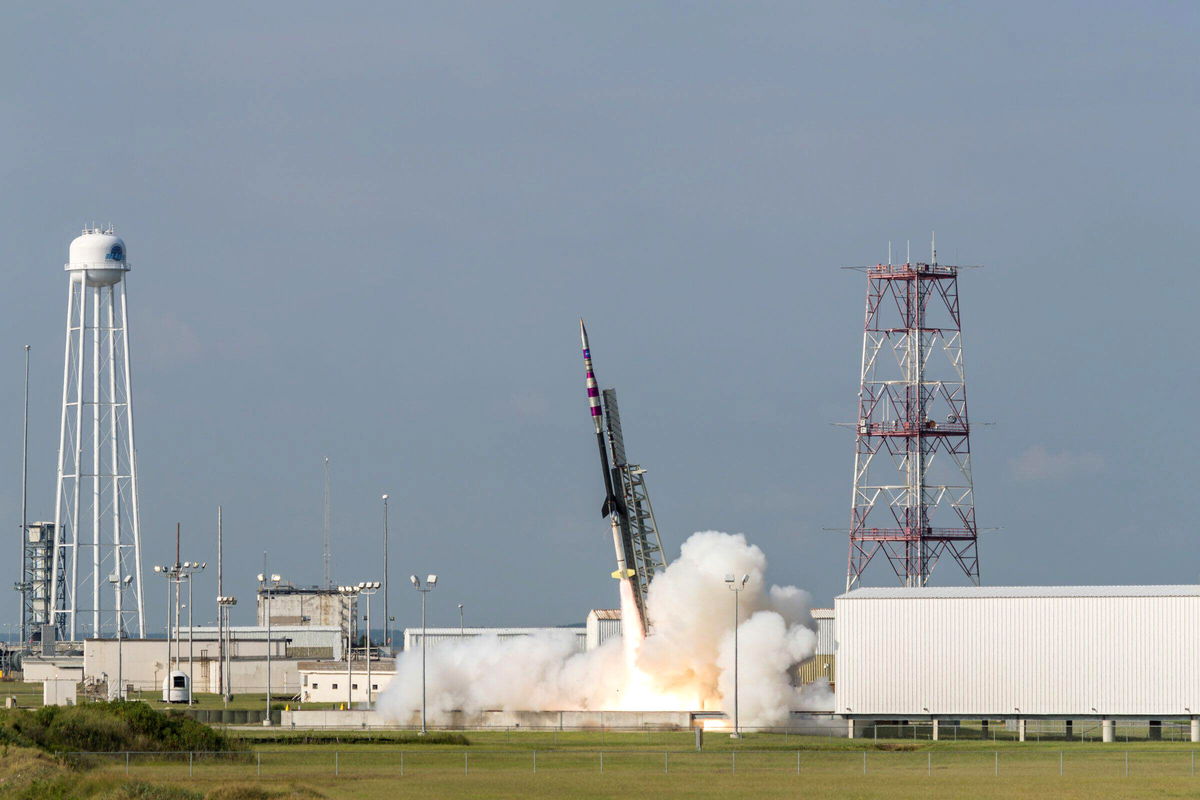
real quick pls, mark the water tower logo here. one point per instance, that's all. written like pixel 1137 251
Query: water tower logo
pixel 117 253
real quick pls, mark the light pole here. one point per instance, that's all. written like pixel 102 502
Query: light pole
pixel 119 584
pixel 368 588
pixel 349 592
pixel 430 582
pixel 387 624
pixel 460 622
pixel 224 603
pixel 268 585
pixel 176 574
pixel 736 587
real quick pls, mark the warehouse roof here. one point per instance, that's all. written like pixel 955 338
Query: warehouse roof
pixel 967 592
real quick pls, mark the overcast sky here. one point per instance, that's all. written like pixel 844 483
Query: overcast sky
pixel 366 231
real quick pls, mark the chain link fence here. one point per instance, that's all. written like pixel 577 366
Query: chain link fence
pixel 299 763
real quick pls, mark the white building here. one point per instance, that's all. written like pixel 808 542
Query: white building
pixel 1067 652
pixel 436 636
pixel 144 664
pixel 327 681
pixel 602 624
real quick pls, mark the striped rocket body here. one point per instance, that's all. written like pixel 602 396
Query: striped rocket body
pixel 593 392
pixel 613 508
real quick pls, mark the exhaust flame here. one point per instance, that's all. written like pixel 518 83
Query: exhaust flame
pixel 685 663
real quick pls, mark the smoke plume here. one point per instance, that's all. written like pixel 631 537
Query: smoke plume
pixel 684 664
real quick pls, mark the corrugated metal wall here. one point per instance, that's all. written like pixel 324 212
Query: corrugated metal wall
pixel 817 667
pixel 1020 655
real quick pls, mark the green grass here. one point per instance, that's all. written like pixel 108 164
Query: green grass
pixel 940 770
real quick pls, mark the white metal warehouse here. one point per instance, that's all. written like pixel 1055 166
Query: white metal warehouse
pixel 1099 652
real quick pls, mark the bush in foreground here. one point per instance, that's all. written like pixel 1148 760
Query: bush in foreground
pixel 109 727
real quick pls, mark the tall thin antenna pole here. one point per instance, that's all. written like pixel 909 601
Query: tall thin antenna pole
pixel 327 554
pixel 220 608
pixel 25 506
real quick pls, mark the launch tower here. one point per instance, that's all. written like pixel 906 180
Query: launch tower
pixel 913 494
pixel 638 524
pixel 96 526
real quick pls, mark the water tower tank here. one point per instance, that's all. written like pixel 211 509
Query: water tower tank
pixel 97 256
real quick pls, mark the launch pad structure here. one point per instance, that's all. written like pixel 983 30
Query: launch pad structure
pixel 913 497
pixel 638 525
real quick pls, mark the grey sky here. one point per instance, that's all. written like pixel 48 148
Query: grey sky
pixel 367 231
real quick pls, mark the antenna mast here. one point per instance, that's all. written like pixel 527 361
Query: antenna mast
pixel 327 553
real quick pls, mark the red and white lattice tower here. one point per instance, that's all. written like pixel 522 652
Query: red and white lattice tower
pixel 913 495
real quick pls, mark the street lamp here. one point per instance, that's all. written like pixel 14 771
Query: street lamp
pixel 119 584
pixel 176 574
pixel 736 587
pixel 224 603
pixel 268 582
pixel 368 588
pixel 430 582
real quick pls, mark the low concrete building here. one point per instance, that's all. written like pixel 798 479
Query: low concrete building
pixel 294 606
pixel 327 681
pixel 144 664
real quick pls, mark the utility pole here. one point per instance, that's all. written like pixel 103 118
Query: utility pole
pixel 24 585
pixel 327 552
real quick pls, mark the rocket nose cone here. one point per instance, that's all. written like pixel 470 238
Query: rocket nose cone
pixel 583 334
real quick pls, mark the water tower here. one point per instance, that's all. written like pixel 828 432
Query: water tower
pixel 96 509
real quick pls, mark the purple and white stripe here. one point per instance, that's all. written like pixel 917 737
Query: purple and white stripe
pixel 592 391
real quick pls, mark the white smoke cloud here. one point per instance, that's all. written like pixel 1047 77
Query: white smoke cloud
pixel 686 663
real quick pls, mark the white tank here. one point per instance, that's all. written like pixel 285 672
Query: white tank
pixel 97 256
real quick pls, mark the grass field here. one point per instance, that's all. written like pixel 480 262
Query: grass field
pixel 493 766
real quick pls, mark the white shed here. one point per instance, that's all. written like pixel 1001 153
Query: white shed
pixel 1023 651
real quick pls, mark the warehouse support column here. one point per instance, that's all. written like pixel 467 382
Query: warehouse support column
pixel 1195 729
pixel 1020 730
pixel 935 730
pixel 1107 732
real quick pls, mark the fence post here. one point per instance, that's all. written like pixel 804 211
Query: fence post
pixel 127 762
pixel 258 760
pixel 535 760
pixel 336 765
pixel 864 762
pixel 1126 763
pixel 466 762
pixel 997 763
pixel 666 767
pixel 929 763
pixel 602 761
pixel 401 763
pixel 733 761
pixel 797 762
pixel 1060 760
pixel 190 754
